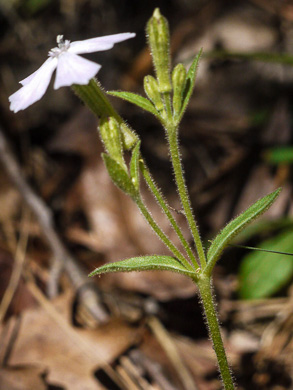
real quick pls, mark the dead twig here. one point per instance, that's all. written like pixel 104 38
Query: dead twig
pixel 169 347
pixel 44 217
pixel 17 268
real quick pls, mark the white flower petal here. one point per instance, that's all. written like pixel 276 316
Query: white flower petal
pixel 46 67
pixel 34 86
pixel 98 44
pixel 73 69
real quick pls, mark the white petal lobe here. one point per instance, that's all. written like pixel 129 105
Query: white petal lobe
pixel 98 44
pixel 48 66
pixel 34 86
pixel 73 69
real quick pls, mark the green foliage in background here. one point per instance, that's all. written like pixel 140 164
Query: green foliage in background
pixel 262 274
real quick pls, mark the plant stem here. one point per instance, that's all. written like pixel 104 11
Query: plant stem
pixel 161 234
pixel 180 182
pixel 205 289
pixel 162 202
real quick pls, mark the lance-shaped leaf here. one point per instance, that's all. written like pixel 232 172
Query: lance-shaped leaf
pixel 134 165
pixel 236 226
pixel 189 85
pixel 138 100
pixel 119 176
pixel 144 263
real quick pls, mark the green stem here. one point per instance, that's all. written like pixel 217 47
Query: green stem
pixel 205 289
pixel 179 177
pixel 162 202
pixel 161 234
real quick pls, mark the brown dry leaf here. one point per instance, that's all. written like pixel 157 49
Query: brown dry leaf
pixel 71 357
pixel 22 297
pixel 9 199
pixel 22 378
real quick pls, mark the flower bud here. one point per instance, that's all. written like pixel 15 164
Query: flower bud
pixel 129 138
pixel 178 81
pixel 159 42
pixel 111 137
pixel 152 90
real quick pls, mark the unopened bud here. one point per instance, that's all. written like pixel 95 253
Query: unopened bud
pixel 159 42
pixel 129 138
pixel 178 81
pixel 111 136
pixel 151 88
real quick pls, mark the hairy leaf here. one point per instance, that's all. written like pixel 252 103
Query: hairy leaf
pixel 189 85
pixel 144 263
pixel 138 100
pixel 236 226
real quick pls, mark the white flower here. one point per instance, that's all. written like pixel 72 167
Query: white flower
pixel 70 68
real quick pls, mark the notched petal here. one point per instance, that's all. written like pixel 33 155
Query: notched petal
pixel 34 86
pixel 73 69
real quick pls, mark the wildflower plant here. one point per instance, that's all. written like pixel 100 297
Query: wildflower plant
pixel 167 97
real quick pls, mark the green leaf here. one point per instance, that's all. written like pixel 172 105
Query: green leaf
pixel 134 166
pixel 145 263
pixel 263 274
pixel 281 155
pixel 190 81
pixel 119 176
pixel 138 100
pixel 236 226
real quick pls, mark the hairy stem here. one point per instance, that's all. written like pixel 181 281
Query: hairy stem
pixel 205 289
pixel 180 182
pixel 162 202
pixel 162 235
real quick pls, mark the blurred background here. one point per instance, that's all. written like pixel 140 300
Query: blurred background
pixel 60 215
